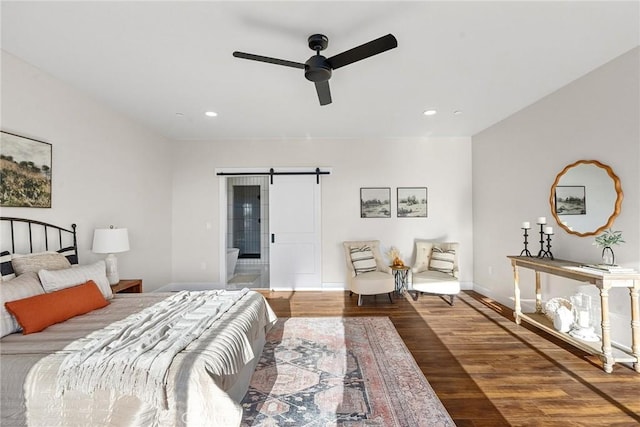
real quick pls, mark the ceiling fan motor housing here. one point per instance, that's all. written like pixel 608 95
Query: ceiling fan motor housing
pixel 316 69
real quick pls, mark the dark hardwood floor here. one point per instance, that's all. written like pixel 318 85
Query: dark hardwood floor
pixel 486 370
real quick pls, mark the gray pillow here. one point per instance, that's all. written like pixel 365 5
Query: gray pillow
pixel 39 261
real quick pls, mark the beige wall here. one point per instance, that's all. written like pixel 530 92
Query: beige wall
pixel 516 161
pixel 106 169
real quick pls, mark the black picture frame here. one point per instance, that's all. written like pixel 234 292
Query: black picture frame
pixel 375 202
pixel 570 200
pixel 412 202
pixel 26 169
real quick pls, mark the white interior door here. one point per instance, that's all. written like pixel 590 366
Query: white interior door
pixel 294 226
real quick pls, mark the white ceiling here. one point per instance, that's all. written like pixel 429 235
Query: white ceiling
pixel 151 60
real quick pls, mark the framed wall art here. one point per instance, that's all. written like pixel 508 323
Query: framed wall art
pixel 25 171
pixel 375 202
pixel 571 200
pixel 412 202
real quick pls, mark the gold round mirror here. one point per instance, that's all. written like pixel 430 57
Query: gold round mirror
pixel 586 198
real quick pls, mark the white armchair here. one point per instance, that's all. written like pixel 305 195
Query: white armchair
pixel 436 269
pixel 367 273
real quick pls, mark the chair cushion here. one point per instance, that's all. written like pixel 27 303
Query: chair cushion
pixel 442 260
pixel 362 259
pixel 372 283
pixel 435 282
pixel 423 255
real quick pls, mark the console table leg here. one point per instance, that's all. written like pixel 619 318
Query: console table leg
pixel 538 294
pixel 516 292
pixel 607 353
pixel 635 323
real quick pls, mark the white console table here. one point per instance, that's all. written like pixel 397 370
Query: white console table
pixel 604 282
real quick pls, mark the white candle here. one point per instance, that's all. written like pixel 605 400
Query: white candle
pixel 583 319
pixel 526 225
pixel 542 220
pixel 548 230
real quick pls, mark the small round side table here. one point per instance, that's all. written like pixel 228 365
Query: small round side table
pixel 401 274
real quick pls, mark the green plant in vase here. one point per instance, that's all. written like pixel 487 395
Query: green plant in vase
pixel 605 241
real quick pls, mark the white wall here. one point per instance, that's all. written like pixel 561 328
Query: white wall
pixel 516 161
pixel 106 169
pixel 443 165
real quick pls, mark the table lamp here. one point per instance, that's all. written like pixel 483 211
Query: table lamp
pixel 110 241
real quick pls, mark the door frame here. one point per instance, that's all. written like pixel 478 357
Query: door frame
pixel 222 205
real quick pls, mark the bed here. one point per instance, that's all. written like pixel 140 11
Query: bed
pixel 129 362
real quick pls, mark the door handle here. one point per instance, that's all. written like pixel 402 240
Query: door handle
pixel 273 238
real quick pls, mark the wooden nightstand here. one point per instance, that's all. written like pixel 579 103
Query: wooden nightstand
pixel 127 286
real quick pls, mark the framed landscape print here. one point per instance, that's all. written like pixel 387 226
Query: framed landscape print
pixel 412 202
pixel 25 172
pixel 375 202
pixel 571 200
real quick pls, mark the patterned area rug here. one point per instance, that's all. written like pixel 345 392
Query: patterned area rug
pixel 353 371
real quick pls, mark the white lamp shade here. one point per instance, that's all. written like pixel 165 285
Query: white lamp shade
pixel 110 240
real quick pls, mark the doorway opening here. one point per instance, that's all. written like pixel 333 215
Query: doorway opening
pixel 246 219
pixel 248 231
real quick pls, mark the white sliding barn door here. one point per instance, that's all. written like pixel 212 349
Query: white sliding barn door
pixel 294 227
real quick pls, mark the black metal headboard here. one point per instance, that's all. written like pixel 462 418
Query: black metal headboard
pixel 39 235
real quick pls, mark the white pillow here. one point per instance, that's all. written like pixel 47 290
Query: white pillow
pixel 37 261
pixel 61 279
pixel 24 286
pixel 363 260
pixel 423 255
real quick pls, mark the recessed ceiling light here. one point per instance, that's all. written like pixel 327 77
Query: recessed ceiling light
pixel 430 112
pixel 211 114
pixel 457 113
pixel 180 114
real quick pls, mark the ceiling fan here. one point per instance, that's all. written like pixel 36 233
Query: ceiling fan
pixel 318 68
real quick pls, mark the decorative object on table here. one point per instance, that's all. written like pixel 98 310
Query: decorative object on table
pixel 25 165
pixel 541 222
pixel 605 241
pixel 526 226
pixel 563 319
pixel 111 241
pixel 582 323
pixel 545 231
pixel 412 202
pixel 548 231
pixel 605 268
pixel 552 306
pixel 375 202
pixel 395 257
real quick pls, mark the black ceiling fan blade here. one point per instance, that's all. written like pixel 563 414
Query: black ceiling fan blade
pixel 361 52
pixel 276 61
pixel 324 93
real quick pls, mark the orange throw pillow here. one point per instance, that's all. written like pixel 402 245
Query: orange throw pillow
pixel 37 313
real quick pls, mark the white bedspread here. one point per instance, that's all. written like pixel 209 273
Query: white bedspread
pixel 132 356
pixel 204 382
